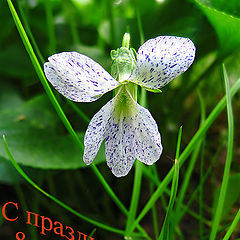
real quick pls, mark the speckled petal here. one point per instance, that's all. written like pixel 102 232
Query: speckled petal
pixel 119 146
pixel 131 136
pixel 96 132
pixel 78 77
pixel 148 147
pixel 162 59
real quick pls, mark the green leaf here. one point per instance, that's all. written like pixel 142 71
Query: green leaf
pixel 220 15
pixel 18 66
pixel 7 172
pixel 33 136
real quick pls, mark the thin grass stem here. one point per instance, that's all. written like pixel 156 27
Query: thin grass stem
pixel 203 116
pixel 233 225
pixel 166 232
pixel 223 189
pixel 187 177
pixel 134 199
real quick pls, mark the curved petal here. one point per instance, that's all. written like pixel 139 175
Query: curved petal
pixel 148 147
pixel 96 132
pixel 162 59
pixel 78 77
pixel 119 146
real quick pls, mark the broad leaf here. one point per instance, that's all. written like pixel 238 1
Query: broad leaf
pixel 225 18
pixel 34 136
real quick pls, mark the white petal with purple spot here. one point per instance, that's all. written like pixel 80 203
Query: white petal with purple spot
pixel 148 147
pixel 162 59
pixel 119 146
pixel 78 77
pixel 96 132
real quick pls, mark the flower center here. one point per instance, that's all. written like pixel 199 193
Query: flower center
pixel 125 105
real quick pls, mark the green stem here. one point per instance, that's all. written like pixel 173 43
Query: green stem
pixel 223 190
pixel 154 213
pixel 203 179
pixel 187 177
pixel 203 116
pixel 135 198
pixel 166 232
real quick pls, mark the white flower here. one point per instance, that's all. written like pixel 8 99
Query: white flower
pixel 129 129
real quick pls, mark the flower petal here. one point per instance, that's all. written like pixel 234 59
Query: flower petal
pixel 162 59
pixel 119 146
pixel 148 147
pixel 78 77
pixel 96 132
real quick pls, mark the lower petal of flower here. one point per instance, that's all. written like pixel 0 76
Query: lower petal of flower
pixel 96 132
pixel 119 145
pixel 148 147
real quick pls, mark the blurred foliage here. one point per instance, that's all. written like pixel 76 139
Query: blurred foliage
pixel 36 136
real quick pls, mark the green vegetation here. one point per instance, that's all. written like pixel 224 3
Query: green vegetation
pixel 191 192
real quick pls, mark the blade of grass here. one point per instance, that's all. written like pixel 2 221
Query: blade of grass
pixel 187 151
pixel 186 181
pixel 188 173
pixel 235 221
pixel 134 199
pixel 203 116
pixel 166 233
pixel 154 213
pixel 83 217
pixel 223 190
pixel 203 179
